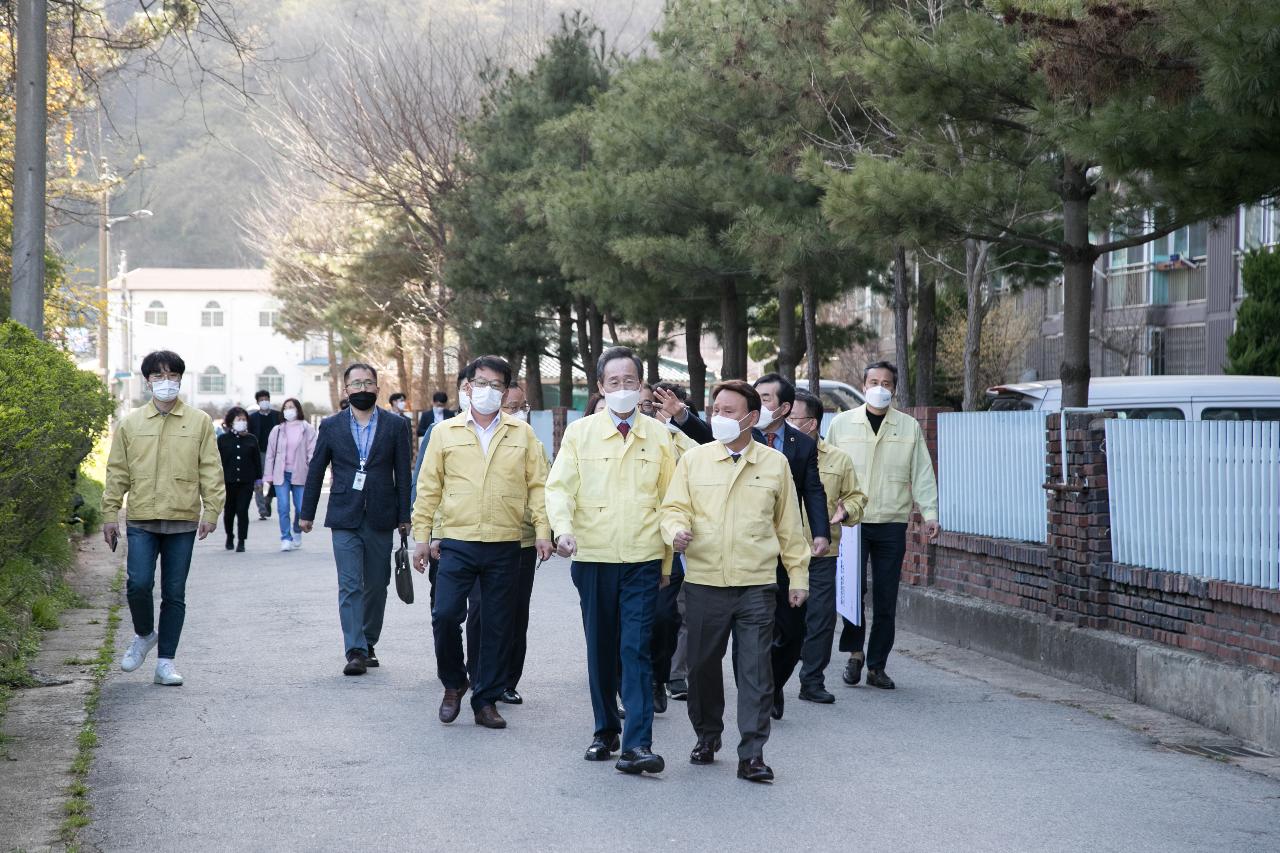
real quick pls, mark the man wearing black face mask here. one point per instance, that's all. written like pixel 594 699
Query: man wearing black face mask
pixel 368 500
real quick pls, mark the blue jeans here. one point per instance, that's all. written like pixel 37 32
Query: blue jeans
pixel 289 523
pixel 363 555
pixel 618 605
pixel 174 553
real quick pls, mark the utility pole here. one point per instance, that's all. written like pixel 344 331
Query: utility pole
pixel 29 166
pixel 104 273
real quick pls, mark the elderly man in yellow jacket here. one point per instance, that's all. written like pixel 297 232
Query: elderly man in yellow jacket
pixel 732 511
pixel 164 456
pixel 481 472
pixel 603 494
pixel 894 469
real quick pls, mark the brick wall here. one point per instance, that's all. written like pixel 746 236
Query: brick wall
pixel 1072 576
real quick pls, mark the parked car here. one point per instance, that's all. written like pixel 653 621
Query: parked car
pixel 837 396
pixel 1202 398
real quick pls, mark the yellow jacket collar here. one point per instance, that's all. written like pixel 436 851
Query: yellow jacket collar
pixel 179 408
pixel 604 427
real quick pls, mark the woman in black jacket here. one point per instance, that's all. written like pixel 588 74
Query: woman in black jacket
pixel 241 468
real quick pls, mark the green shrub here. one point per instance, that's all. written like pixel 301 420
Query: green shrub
pixel 50 414
pixel 1254 347
pixel 90 512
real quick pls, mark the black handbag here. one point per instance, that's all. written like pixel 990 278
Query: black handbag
pixel 404 574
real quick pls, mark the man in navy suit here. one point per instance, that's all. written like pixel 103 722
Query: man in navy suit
pixel 777 396
pixel 368 500
pixel 435 414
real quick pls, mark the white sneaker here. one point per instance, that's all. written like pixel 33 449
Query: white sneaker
pixel 286 544
pixel 138 651
pixel 297 542
pixel 166 674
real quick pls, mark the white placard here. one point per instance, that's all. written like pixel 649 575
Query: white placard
pixel 849 574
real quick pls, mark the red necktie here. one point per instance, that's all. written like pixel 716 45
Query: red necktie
pixel 624 428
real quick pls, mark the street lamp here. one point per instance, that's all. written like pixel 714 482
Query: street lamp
pixel 105 221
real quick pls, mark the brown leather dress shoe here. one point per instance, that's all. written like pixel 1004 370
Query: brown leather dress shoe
pixel 452 703
pixel 755 770
pixel 488 716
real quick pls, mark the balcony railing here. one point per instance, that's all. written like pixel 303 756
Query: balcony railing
pixel 1128 286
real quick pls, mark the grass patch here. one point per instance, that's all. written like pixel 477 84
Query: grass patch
pixel 77 807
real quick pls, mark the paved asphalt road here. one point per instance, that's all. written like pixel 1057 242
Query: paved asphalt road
pixel 269 747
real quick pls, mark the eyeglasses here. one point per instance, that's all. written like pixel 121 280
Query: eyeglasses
pixel 648 408
pixel 616 383
pixel 496 384
pixel 362 385
pixel 160 377
pixel 511 410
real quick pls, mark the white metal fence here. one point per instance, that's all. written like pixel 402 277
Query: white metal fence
pixel 1197 497
pixel 991 470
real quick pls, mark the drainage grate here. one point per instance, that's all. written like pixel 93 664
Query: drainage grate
pixel 1210 750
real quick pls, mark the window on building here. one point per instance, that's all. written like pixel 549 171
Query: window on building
pixel 267 319
pixel 156 315
pixel 211 315
pixel 1253 227
pixel 212 381
pixel 271 380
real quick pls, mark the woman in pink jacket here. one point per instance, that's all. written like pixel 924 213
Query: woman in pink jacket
pixel 289 450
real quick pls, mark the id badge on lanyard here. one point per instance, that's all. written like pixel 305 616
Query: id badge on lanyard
pixel 358 483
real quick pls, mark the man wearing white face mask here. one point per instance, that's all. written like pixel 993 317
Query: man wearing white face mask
pixel 164 457
pixel 894 469
pixel 481 472
pixel 261 422
pixel 603 494
pixel 241 467
pixel 732 511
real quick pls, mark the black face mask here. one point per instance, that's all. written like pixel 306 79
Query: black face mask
pixel 363 400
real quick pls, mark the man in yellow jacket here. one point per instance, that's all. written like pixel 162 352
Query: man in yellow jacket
pixel 603 494
pixel 845 502
pixel 164 456
pixel 732 511
pixel 894 469
pixel 482 471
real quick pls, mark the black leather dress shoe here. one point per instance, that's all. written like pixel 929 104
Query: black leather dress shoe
pixel 679 690
pixel 659 698
pixel 877 678
pixel 779 704
pixel 704 751
pixel 640 760
pixel 372 660
pixel 817 694
pixel 602 748
pixel 853 670
pixel 755 770
pixel 488 716
pixel 357 663
pixel 511 697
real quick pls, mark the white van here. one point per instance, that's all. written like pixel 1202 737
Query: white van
pixel 1179 398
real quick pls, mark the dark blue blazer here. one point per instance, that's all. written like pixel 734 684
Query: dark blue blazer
pixel 384 500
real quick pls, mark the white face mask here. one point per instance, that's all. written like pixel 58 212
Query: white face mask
pixel 400 405
pixel 464 401
pixel 290 414
pixel 878 396
pixel 239 426
pixel 622 402
pixel 165 390
pixel 725 429
pixel 486 401
pixel 521 415
pixel 766 417
pixel 264 405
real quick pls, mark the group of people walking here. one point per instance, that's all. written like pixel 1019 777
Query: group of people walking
pixel 687 536
pixel 265 455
